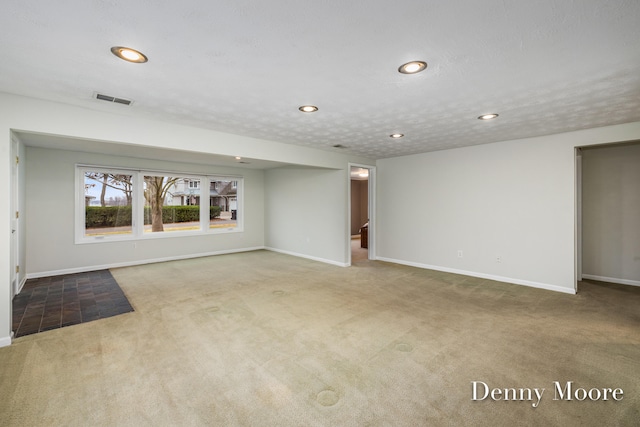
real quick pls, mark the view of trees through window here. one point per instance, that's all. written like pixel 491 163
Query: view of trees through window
pixel 159 208
pixel 108 203
pixel 166 203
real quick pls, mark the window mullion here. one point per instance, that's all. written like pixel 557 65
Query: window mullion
pixel 138 204
pixel 80 205
pixel 204 203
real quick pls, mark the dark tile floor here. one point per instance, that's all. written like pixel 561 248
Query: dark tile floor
pixel 54 302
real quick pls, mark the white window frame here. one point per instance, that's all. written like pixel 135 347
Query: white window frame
pixel 138 202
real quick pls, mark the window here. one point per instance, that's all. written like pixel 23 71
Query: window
pixel 120 204
pixel 107 203
pixel 223 196
pixel 171 204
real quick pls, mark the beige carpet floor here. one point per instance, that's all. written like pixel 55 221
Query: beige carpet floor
pixel 358 253
pixel 265 339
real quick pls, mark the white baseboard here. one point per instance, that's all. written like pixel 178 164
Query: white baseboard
pixel 482 276
pixel 22 282
pixel 326 261
pixel 5 341
pixel 611 280
pixel 138 262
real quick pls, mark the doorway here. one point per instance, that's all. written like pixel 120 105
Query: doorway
pixel 361 211
pixel 608 213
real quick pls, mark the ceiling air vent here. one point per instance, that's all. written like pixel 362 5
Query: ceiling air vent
pixel 108 98
pixel 339 146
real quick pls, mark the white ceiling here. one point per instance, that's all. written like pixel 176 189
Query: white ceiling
pixel 244 67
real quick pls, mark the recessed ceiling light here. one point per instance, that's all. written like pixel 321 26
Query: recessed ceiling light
pixel 128 54
pixel 488 116
pixel 308 108
pixel 413 67
pixel 396 135
pixel 238 158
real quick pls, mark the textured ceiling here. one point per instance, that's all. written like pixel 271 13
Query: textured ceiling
pixel 244 67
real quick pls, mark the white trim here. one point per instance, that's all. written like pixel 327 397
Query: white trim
pixel 483 276
pixel 5 341
pixel 139 262
pixel 348 221
pixel 372 232
pixel 161 171
pixel 14 203
pixel 21 285
pixel 578 217
pixel 324 260
pixel 611 280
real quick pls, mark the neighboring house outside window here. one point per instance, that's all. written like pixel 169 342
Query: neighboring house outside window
pixel 224 195
pixel 185 192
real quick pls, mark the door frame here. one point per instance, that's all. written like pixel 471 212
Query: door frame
pixel 15 219
pixel 578 218
pixel 371 188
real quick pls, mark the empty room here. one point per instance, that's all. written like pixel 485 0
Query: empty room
pixel 408 213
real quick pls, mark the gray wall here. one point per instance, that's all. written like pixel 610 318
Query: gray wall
pixel 611 213
pixel 50 213
pixel 510 207
pixel 305 213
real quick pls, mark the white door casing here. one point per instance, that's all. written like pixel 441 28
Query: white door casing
pixel 15 218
